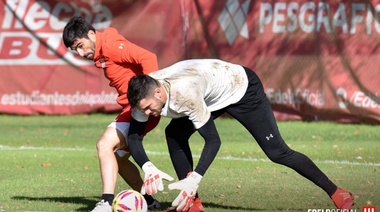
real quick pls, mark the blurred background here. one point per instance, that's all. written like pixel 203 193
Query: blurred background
pixel 318 60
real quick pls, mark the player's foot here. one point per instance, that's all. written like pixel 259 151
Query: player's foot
pixel 343 199
pixel 102 206
pixel 155 205
pixel 197 207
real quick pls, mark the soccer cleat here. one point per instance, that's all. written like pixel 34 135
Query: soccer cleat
pixel 343 199
pixel 154 206
pixel 197 207
pixel 102 206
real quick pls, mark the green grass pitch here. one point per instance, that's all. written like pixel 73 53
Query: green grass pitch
pixel 49 163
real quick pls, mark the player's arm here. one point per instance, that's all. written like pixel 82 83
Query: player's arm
pixel 211 147
pixel 135 138
pixel 153 176
pixel 204 123
pixel 138 55
pixel 123 51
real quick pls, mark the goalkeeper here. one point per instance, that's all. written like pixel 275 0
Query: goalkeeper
pixel 194 93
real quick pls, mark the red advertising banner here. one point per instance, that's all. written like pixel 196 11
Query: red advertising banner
pixel 317 59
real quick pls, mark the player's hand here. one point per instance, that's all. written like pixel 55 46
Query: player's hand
pixel 153 179
pixel 188 187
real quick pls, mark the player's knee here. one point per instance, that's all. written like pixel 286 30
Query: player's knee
pixel 276 158
pixel 103 146
pixel 280 156
pixel 122 156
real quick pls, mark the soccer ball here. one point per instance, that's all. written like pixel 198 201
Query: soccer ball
pixel 129 201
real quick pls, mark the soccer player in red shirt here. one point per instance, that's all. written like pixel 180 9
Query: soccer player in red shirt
pixel 120 60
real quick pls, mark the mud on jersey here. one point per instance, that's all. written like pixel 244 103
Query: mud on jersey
pixel 197 87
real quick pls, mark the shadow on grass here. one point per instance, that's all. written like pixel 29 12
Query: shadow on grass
pixel 225 207
pixel 89 204
pixel 208 205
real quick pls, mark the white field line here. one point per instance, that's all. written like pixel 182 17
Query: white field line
pixel 344 162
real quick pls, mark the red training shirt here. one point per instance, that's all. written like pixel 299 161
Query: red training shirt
pixel 121 60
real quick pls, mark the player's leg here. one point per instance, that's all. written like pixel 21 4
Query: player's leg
pixel 177 135
pixel 131 175
pixel 106 145
pixel 127 169
pixel 255 113
pixel 262 125
pixel 113 139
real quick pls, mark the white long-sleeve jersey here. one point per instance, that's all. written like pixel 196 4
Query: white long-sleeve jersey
pixel 197 87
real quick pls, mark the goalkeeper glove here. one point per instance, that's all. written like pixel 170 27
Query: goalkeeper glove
pixel 188 187
pixel 153 179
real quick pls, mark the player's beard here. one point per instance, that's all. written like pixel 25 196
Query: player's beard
pixel 89 56
pixel 155 113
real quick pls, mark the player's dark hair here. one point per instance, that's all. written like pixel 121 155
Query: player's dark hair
pixel 140 87
pixel 76 28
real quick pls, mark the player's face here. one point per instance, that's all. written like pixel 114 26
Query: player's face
pixel 85 46
pixel 153 104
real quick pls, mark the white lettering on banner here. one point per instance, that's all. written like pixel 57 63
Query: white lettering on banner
pixel 44 46
pixel 22 48
pixel 299 96
pixel 39 14
pixel 58 99
pixel 314 17
pixel 357 99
